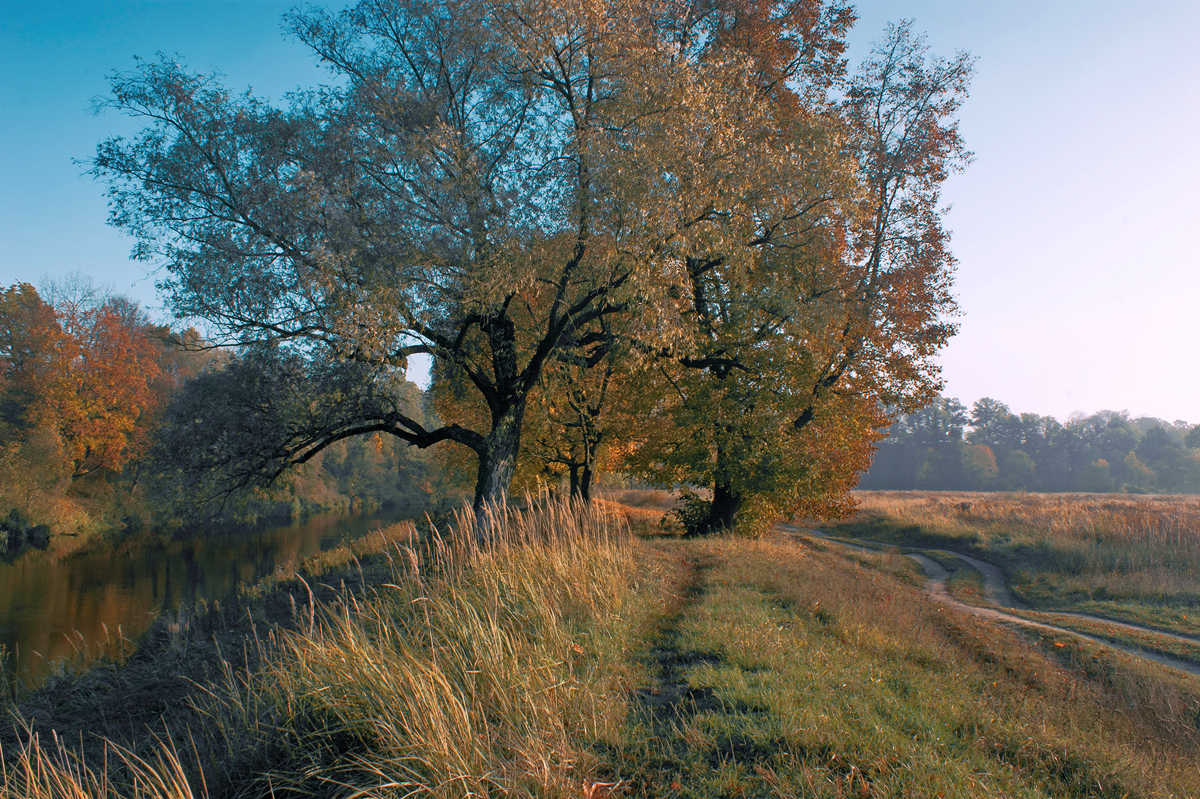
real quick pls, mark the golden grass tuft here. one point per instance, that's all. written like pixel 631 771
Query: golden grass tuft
pixel 60 772
pixel 476 668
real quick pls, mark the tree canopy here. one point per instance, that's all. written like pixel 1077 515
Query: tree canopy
pixel 519 190
pixel 806 329
pixel 83 372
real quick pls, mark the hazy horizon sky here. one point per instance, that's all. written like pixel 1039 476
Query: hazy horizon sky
pixel 1078 287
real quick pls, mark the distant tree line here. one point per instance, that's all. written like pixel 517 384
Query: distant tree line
pixel 989 448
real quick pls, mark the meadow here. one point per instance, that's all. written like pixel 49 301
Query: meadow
pixel 1132 558
pixel 573 658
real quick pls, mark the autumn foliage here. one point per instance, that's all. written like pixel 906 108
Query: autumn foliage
pixel 82 381
pixel 681 239
pixel 87 374
pixel 30 342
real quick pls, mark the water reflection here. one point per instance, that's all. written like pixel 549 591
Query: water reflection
pixel 47 607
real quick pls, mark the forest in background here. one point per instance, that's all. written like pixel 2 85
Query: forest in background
pixel 97 402
pixel 89 388
pixel 946 447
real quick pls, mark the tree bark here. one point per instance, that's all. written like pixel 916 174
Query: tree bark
pixel 722 514
pixel 573 468
pixel 585 482
pixel 497 461
pixel 726 501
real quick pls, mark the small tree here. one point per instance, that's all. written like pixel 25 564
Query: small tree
pixel 980 463
pixel 31 360
pixel 1017 471
pixel 1138 477
pixel 1096 477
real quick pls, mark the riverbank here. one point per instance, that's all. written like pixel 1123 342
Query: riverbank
pixel 581 660
pixel 99 600
pixel 40 541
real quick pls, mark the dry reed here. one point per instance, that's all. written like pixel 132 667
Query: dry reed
pixel 487 663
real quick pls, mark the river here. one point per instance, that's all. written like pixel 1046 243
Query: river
pixel 49 608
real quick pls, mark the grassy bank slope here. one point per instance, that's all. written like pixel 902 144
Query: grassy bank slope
pixel 578 661
pixel 428 668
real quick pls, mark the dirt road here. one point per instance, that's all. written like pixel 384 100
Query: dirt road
pixel 997 593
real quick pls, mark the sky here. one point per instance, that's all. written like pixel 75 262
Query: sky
pixel 1078 280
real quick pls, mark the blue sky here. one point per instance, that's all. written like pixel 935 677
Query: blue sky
pixel 1078 277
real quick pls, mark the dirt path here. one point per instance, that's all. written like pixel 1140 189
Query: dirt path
pixel 670 696
pixel 994 586
pixel 996 590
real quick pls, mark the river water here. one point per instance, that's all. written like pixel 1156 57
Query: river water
pixel 49 608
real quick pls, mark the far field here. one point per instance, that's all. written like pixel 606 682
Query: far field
pixel 578 659
pixel 1125 557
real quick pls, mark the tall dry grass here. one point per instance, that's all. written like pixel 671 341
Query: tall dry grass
pixel 60 771
pixel 477 668
pixel 1157 524
pixel 1092 532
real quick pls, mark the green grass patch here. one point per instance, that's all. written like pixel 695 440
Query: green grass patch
pixel 788 671
pixel 879 527
pixel 1121 636
pixel 1185 619
pixel 964 583
pixel 1174 611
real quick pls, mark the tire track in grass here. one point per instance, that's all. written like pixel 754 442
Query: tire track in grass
pixel 996 591
pixel 661 707
pixel 670 696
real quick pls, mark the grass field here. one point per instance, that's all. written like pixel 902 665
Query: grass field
pixel 576 660
pixel 804 673
pixel 1129 558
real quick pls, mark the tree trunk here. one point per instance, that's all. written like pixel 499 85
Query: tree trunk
pixel 585 482
pixel 723 510
pixel 574 471
pixel 498 459
pixel 722 513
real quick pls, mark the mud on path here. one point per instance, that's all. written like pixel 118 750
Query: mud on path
pixel 997 593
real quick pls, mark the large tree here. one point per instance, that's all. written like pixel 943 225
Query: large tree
pixel 486 183
pixel 809 321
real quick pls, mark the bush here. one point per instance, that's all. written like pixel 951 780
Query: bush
pixel 692 511
pixel 16 531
